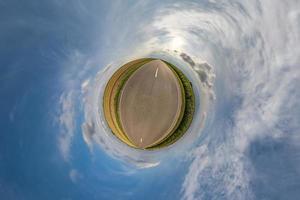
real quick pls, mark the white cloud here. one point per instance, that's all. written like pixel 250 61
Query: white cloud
pixel 75 176
pixel 88 131
pixel 191 183
pixel 67 122
pixel 263 62
pixel 145 165
pixel 84 85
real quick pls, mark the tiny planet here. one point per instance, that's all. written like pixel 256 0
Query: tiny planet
pixel 148 103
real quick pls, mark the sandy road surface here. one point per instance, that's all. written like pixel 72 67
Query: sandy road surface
pixel 150 104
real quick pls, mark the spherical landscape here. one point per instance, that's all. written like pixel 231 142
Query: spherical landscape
pixel 148 103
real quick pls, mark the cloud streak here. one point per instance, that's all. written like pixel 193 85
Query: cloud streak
pixel 67 122
pixel 262 58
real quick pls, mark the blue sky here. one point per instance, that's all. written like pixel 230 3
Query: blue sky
pixel 51 59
